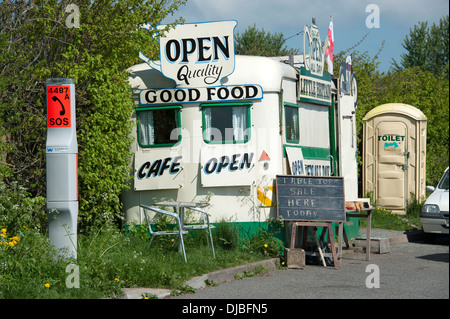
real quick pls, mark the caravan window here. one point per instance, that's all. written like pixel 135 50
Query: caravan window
pixel 226 122
pixel 159 126
pixel 291 123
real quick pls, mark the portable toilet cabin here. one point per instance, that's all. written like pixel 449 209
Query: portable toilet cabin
pixel 394 155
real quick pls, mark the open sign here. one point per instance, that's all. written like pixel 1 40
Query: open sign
pixel 196 54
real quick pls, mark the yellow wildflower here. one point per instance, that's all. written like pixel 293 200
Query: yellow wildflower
pixel 265 245
pixel 47 285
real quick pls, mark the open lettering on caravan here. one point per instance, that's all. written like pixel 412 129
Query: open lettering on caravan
pixel 233 163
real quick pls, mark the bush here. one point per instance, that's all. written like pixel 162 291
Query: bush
pixel 18 210
pixel 96 55
pixel 263 242
pixel 227 235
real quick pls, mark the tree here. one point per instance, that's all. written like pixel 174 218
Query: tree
pixel 426 48
pixel 415 86
pixel 368 76
pixel 261 43
pixel 430 94
pixel 37 43
pixel 421 80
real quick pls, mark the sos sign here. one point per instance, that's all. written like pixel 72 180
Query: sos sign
pixel 58 106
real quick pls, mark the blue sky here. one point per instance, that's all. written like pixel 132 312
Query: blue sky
pixel 396 18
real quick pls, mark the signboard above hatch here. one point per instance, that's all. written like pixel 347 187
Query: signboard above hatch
pixel 314 85
pixel 314 61
pixel 196 54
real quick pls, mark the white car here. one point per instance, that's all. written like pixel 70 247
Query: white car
pixel 434 214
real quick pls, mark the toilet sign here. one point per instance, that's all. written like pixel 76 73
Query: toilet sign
pixel 58 106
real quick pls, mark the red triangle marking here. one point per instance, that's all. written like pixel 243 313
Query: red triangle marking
pixel 264 157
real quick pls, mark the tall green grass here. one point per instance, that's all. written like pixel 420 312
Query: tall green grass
pixel 108 260
pixel 385 219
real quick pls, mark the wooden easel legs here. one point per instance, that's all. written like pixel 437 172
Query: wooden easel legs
pixel 315 225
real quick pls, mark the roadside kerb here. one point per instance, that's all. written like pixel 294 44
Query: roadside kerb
pixel 228 274
pixel 216 277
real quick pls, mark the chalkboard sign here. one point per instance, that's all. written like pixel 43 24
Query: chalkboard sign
pixel 310 198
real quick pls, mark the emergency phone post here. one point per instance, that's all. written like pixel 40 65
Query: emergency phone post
pixel 62 166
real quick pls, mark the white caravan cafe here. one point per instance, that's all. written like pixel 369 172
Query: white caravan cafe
pixel 216 127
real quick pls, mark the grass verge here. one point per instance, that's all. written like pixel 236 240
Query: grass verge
pixel 385 219
pixel 107 261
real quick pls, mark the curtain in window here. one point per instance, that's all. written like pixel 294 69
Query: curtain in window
pixel 176 131
pixel 208 119
pixel 239 118
pixel 146 128
pixel 294 127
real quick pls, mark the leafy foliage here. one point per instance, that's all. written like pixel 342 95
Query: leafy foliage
pixel 36 44
pixel 430 94
pixel 15 207
pixel 259 42
pixel 415 85
pixel 426 48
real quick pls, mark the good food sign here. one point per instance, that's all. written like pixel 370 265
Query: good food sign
pixel 196 54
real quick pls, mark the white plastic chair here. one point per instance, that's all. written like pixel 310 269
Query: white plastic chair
pixel 205 225
pixel 179 231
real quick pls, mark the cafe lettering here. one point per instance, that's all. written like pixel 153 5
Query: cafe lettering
pixel 159 167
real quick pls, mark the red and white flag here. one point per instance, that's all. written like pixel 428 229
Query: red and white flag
pixel 330 48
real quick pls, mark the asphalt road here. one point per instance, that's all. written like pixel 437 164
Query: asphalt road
pixel 411 270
